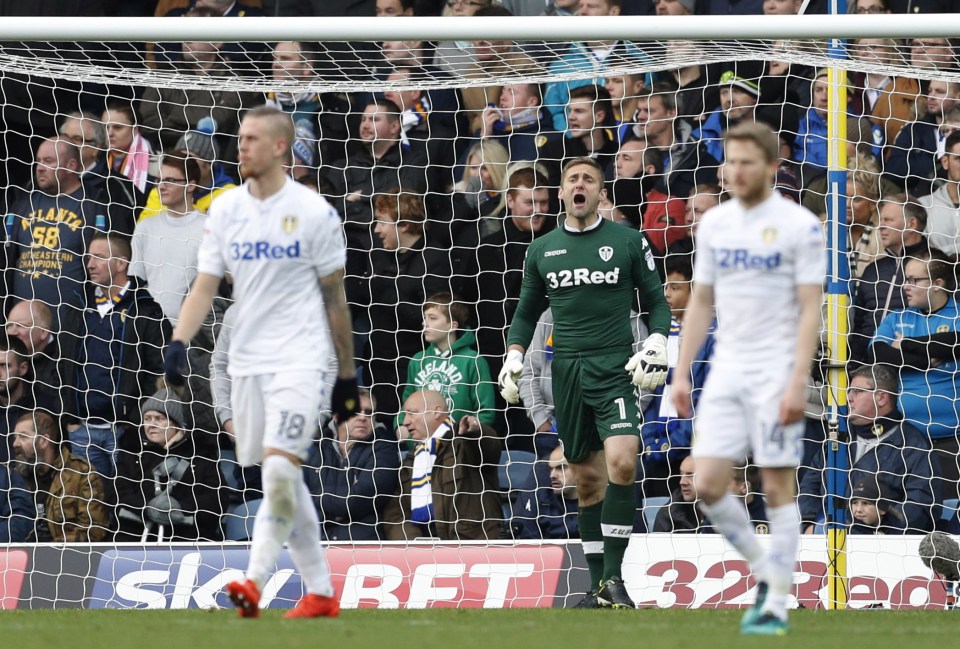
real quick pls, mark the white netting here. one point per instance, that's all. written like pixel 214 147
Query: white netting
pixel 359 67
pixel 471 120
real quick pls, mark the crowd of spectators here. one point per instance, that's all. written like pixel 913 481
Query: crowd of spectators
pixel 440 191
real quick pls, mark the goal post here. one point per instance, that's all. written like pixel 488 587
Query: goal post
pixel 460 174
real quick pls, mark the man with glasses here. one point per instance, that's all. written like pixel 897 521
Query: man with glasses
pixel 165 247
pixel 943 220
pixel 922 342
pixel 351 470
pixel 883 446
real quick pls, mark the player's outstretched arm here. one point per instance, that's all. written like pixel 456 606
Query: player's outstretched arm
pixel 810 301
pixel 696 324
pixel 193 312
pixel 345 399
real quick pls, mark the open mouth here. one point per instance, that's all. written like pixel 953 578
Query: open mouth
pixel 579 200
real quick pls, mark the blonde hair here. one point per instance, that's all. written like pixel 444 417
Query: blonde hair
pixel 864 170
pixel 494 157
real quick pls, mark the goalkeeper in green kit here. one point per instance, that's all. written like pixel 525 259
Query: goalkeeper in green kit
pixel 587 271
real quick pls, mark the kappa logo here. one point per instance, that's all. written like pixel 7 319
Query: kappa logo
pixel 606 253
pixel 555 253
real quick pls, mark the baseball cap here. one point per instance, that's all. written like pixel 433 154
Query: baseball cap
pixel 747 85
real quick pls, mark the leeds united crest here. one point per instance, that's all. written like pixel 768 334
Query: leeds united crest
pixel 606 252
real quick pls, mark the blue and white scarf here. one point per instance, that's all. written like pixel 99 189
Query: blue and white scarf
pixel 421 494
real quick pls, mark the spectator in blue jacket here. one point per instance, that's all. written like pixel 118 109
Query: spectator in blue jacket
pixel 596 56
pixel 351 468
pixel 922 342
pixel 811 142
pixel 17 511
pixel 885 446
pixel 549 512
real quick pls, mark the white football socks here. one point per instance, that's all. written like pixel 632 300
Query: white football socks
pixel 730 518
pixel 275 518
pixel 784 543
pixel 305 549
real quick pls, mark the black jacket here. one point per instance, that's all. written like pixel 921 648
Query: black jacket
pixel 493 282
pixel 197 491
pixel 350 492
pixel 401 167
pixel 115 194
pixel 554 150
pixel 681 516
pixel 880 278
pixel 394 289
pixel 143 333
pixel 912 163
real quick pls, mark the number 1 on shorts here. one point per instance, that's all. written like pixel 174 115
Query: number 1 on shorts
pixel 621 406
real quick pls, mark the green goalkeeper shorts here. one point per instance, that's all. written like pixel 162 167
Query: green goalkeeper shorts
pixel 594 399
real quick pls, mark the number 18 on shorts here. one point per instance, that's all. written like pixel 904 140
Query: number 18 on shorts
pixel 278 411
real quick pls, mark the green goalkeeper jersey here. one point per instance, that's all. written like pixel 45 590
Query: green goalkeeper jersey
pixel 588 280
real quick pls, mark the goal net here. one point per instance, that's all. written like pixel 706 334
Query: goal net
pixel 442 157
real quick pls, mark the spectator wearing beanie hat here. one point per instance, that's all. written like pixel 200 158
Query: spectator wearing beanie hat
pixel 738 103
pixel 166 485
pixel 200 145
pixel 871 511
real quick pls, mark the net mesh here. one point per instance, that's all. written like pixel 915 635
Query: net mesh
pixel 354 67
pixel 471 177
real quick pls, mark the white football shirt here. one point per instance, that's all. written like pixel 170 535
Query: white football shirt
pixel 276 250
pixel 754 259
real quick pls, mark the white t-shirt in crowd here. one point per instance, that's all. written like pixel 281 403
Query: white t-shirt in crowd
pixel 165 255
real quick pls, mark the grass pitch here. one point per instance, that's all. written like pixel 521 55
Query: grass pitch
pixel 469 629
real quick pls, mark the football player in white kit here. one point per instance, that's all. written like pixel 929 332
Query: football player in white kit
pixel 761 263
pixel 283 246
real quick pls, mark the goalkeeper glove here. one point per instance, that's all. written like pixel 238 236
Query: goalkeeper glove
pixel 649 365
pixel 509 375
pixel 345 400
pixel 175 363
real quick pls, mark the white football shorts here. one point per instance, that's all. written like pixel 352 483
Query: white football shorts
pixel 279 411
pixel 737 416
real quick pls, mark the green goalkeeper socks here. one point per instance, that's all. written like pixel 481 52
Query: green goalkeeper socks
pixel 591 539
pixel 616 524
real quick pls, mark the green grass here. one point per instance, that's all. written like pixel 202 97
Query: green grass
pixel 468 629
